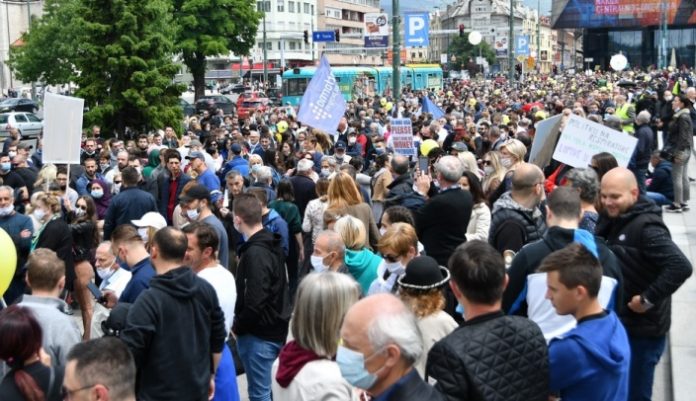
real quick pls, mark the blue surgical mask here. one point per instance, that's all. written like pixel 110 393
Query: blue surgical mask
pixel 459 309
pixel 352 366
pixel 96 194
pixel 6 166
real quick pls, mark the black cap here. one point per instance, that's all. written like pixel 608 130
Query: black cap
pixel 423 273
pixel 340 145
pixel 197 191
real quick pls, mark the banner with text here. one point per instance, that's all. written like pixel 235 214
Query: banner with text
pixel 581 139
pixel 402 136
pixel 376 30
pixel 62 131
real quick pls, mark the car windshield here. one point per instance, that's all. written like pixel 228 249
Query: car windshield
pixel 251 105
pixel 4 118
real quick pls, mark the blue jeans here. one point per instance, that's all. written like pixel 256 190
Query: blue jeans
pixel 640 178
pixel 645 354
pixel 226 378
pixel 257 356
pixel 658 198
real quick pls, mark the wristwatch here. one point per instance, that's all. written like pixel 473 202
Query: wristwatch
pixel 644 301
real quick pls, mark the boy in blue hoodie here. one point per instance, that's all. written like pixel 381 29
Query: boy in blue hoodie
pixel 591 361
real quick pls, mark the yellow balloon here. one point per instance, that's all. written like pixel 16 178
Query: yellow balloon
pixel 8 261
pixel 427 146
pixel 282 126
pixel 389 106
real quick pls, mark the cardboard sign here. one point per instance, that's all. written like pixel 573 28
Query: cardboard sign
pixel 581 139
pixel 62 131
pixel 402 136
pixel 544 141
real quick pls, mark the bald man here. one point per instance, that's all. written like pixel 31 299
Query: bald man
pixel 517 219
pixel 382 363
pixel 653 268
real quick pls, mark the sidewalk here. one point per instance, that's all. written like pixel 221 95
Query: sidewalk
pixel 682 338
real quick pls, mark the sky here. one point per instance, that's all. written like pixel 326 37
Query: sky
pixel 427 5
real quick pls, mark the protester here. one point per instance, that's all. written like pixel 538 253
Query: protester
pixel 480 220
pixel 398 246
pixel 131 202
pixel 148 225
pixel 313 221
pixel 305 368
pixel 129 248
pixel 661 188
pixel 679 144
pixel 20 229
pixel 585 181
pixel 344 195
pixel 361 262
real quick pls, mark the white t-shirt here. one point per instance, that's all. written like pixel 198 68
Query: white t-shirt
pixel 223 282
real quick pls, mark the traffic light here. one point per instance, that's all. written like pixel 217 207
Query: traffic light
pixel 337 32
pixel 306 37
pixel 461 30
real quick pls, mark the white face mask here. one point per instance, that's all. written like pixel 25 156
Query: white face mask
pixel 506 162
pixel 6 211
pixel 12 154
pixel 142 231
pixel 104 272
pixel 39 214
pixel 318 264
pixel 351 140
pixel 325 172
pixel 395 268
pixel 192 214
pixel 488 170
pixel 79 212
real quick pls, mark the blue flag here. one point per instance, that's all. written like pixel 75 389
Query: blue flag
pixel 430 107
pixel 322 104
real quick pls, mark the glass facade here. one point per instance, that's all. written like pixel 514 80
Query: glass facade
pixel 641 47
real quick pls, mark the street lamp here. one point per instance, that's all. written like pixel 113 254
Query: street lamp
pixel 618 62
pixel 475 40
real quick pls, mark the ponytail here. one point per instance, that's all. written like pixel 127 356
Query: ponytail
pixel 28 387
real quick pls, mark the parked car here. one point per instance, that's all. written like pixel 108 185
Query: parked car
pixel 28 124
pixel 18 104
pixel 250 101
pixel 221 102
pixel 187 108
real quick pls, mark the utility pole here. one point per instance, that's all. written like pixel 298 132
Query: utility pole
pixel 511 45
pixel 265 53
pixel 33 84
pixel 539 35
pixel 396 56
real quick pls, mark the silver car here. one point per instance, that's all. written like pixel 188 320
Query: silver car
pixel 28 124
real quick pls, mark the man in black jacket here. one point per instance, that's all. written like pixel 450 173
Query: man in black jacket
pixel 653 268
pixel 401 191
pixel 130 204
pixel 175 329
pixel 381 362
pixel 491 357
pixel 262 311
pixel 525 294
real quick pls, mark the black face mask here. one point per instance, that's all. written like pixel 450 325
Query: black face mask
pixel 63 187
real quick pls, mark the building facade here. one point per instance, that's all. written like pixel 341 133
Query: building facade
pixel 348 17
pixel 14 21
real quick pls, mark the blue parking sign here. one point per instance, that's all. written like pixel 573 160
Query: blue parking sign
pixel 522 45
pixel 416 29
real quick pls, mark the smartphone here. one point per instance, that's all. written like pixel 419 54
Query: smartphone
pixel 424 165
pixel 95 290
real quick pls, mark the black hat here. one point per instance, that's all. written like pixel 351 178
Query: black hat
pixel 423 273
pixel 197 191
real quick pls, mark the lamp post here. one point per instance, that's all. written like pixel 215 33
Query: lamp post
pixel 265 53
pixel 396 56
pixel 538 34
pixel 475 39
pixel 511 56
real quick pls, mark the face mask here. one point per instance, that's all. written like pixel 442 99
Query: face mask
pixel 142 232
pixel 79 212
pixel 96 194
pixel 395 268
pixel 325 172
pixel 459 309
pixel 352 366
pixel 12 154
pixel 63 187
pixel 351 140
pixel 318 264
pixel 6 211
pixel 104 166
pixel 668 98
pixel 39 214
pixel 382 230
pixel 117 188
pixel 488 170
pixel 506 162
pixel 5 166
pixel 104 272
pixel 192 214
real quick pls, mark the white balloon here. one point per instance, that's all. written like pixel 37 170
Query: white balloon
pixel 475 37
pixel 618 62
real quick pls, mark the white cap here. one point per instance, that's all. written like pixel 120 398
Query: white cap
pixel 151 219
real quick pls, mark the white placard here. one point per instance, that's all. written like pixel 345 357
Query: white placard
pixel 544 140
pixel 582 138
pixel 402 136
pixel 62 129
pixel 376 24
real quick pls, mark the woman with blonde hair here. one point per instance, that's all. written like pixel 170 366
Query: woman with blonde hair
pixel 361 262
pixel 421 290
pixel 494 173
pixel 305 369
pixel 344 195
pixel 323 144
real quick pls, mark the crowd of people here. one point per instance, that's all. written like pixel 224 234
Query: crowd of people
pixel 326 265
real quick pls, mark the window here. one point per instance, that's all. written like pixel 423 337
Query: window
pixel 306 8
pixel 292 45
pixel 281 6
pixel 312 7
pixel 20 118
pixel 291 6
pixel 263 6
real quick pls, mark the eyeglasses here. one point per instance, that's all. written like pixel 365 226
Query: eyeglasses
pixel 67 394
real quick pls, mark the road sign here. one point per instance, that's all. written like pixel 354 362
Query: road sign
pixel 416 27
pixel 376 41
pixel 522 45
pixel 323 36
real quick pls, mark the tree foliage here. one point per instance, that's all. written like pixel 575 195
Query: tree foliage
pixel 465 51
pixel 213 28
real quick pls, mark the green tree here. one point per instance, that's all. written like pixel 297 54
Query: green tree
pixel 125 64
pixel 465 51
pixel 212 28
pixel 49 48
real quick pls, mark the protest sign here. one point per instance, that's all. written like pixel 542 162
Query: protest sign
pixel 402 136
pixel 544 141
pixel 62 133
pixel 582 138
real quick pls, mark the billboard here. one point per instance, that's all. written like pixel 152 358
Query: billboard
pixel 501 44
pixel 376 30
pixel 569 14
